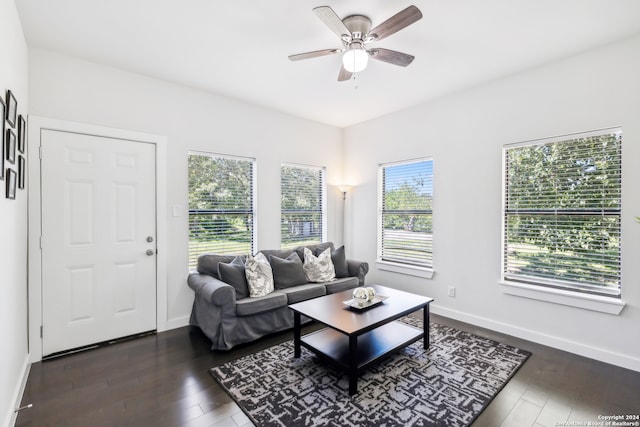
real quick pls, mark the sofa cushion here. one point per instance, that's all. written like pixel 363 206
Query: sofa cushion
pixel 341 284
pixel 259 275
pixel 318 269
pixel 287 272
pixel 339 260
pixel 316 249
pixel 321 247
pixel 250 306
pixel 280 253
pixel 208 263
pixel 303 292
pixel 233 273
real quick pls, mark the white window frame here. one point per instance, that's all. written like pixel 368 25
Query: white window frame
pixel 393 266
pixel 323 195
pixel 549 290
pixel 254 196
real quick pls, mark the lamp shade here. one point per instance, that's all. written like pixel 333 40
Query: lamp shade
pixel 355 59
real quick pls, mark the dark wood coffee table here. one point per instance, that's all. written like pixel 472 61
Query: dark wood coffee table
pixel 356 338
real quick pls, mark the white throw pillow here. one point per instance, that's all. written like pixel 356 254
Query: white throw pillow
pixel 259 275
pixel 320 268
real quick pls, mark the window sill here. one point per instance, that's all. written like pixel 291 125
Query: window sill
pixel 426 273
pixel 559 296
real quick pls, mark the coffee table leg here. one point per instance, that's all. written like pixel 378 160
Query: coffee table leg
pixel 353 365
pixel 425 322
pixel 296 334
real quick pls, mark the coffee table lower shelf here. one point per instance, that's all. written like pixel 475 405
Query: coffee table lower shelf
pixel 371 346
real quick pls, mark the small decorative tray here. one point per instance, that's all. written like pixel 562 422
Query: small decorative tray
pixel 361 305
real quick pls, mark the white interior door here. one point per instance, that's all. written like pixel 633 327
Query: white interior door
pixel 98 239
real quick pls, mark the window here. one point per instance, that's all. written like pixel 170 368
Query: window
pixel 221 205
pixel 562 204
pixel 302 192
pixel 405 234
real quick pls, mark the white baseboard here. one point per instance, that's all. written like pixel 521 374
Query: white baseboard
pixel 10 418
pixel 622 360
pixel 176 322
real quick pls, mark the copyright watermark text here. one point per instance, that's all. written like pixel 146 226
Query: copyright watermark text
pixel 625 420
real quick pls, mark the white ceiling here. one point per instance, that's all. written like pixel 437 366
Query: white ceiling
pixel 239 48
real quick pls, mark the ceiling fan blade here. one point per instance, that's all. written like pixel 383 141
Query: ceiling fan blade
pixel 344 75
pixel 391 56
pixel 313 54
pixel 400 20
pixel 329 17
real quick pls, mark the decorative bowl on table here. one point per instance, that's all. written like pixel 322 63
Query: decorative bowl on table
pixel 364 298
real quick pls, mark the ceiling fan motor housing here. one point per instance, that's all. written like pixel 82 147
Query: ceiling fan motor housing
pixel 359 25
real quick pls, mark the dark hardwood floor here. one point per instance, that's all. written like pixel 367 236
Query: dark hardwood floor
pixel 163 380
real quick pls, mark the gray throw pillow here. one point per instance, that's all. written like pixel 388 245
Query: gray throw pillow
pixel 259 275
pixel 287 272
pixel 339 259
pixel 233 274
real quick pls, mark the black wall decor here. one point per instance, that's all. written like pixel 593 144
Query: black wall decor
pixel 2 149
pixel 12 108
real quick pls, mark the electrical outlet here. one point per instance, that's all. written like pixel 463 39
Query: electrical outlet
pixel 452 292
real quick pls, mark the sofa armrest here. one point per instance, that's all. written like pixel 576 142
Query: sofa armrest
pixel 211 289
pixel 358 269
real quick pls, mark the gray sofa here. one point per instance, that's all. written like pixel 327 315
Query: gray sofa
pixel 228 316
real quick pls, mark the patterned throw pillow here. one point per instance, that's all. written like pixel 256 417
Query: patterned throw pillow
pixel 320 268
pixel 259 275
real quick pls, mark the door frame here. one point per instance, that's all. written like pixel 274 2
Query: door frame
pixel 35 127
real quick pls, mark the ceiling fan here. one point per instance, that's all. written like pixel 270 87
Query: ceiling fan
pixel 355 33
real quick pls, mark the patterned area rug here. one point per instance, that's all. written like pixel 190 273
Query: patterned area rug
pixel 448 385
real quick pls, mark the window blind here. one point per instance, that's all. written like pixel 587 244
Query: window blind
pixel 563 212
pixel 221 205
pixel 302 192
pixel 406 233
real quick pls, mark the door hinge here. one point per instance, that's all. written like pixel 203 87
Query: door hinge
pixel 41 331
pixel 40 242
pixel 40 152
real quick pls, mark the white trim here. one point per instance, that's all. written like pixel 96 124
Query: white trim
pixel 597 353
pixel 176 322
pixel 35 126
pixel 410 270
pixel 592 302
pixel 560 138
pixel 325 203
pixel 221 155
pixel 11 417
pixel 254 206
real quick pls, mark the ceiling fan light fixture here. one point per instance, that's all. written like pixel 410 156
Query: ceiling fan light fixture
pixel 355 32
pixel 355 58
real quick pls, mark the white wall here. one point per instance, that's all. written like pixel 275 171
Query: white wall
pixel 464 133
pixel 71 89
pixel 13 226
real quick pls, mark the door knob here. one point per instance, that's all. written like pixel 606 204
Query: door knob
pixel 149 239
pixel 149 252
